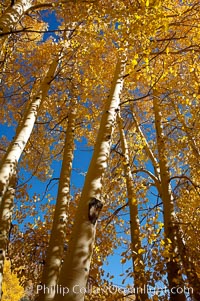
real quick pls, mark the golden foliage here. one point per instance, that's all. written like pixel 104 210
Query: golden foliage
pixel 12 290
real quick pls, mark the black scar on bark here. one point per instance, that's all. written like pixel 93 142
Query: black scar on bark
pixel 94 209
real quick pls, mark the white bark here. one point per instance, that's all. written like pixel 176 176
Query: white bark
pixel 9 163
pixel 75 270
pixel 5 218
pixel 140 279
pixel 189 267
pixel 13 15
pixel 147 148
pixel 174 278
pixel 171 220
pixel 23 132
pixel 55 250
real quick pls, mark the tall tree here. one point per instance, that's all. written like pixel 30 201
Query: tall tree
pixel 75 270
pixel 140 278
pixel 173 268
pixel 5 225
pixel 10 160
pixel 55 251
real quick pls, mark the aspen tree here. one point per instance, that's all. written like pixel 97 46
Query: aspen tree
pixel 9 163
pixel 23 131
pixel 5 217
pixel 188 265
pixel 136 247
pixel 182 248
pixel 148 151
pixel 55 251
pixel 75 270
pixel 4 43
pixel 174 278
pixel 13 15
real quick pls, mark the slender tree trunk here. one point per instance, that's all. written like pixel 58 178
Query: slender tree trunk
pixel 188 265
pixel 174 278
pixel 147 148
pixel 55 250
pixel 182 249
pixel 75 270
pixel 23 132
pixel 11 158
pixel 140 280
pixel 5 224
pixel 13 15
pixel 4 42
pixel 9 163
pixel 192 277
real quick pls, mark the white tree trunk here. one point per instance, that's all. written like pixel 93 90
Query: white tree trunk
pixel 174 278
pixel 147 149
pixel 9 163
pixel 189 267
pixel 5 224
pixel 140 279
pixel 176 233
pixel 13 15
pixel 23 132
pixel 75 270
pixel 55 250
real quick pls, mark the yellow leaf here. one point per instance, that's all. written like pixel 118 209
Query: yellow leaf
pixel 166 254
pixel 169 240
pixel 97 249
pixel 137 17
pixel 160 225
pixel 162 242
pixel 141 251
pixel 134 62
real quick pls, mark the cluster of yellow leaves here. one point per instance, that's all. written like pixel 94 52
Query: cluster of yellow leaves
pixel 12 290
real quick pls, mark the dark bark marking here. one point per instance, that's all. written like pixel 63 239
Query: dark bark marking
pixel 95 207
